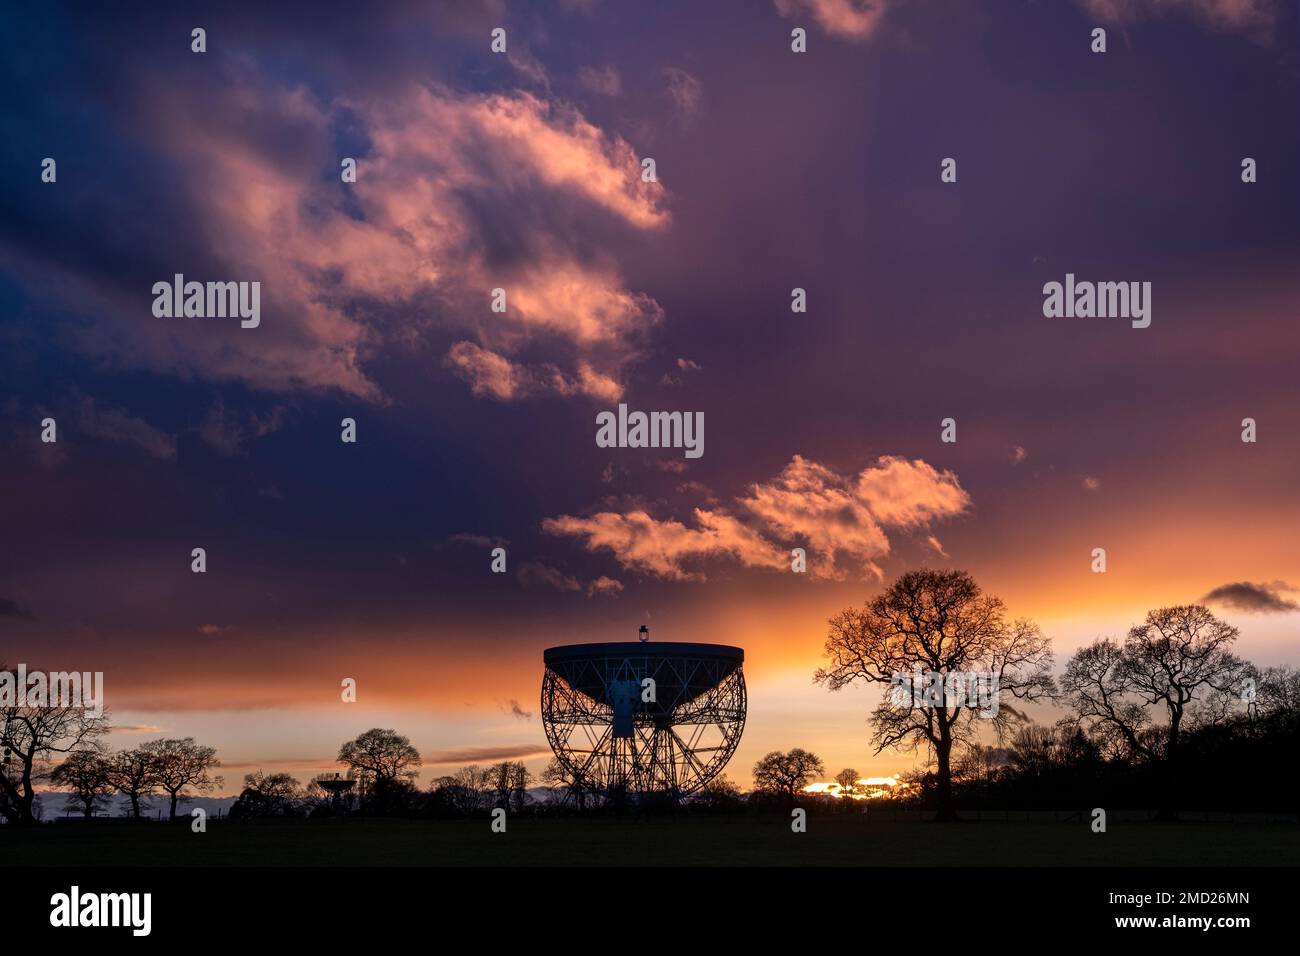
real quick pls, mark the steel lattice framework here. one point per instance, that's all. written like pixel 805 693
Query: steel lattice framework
pixel 612 739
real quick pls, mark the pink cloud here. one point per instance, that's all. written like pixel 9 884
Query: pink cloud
pixel 1256 18
pixel 509 141
pixel 602 80
pixel 486 372
pixel 937 546
pixel 604 585
pixel 492 375
pixel 413 234
pixel 910 494
pixel 840 520
pixel 685 90
pixel 117 425
pixel 667 549
pixel 848 19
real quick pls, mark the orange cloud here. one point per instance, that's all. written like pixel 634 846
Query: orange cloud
pixel 487 372
pixel 836 518
pixel 665 548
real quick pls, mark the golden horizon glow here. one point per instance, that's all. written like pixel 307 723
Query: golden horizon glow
pixel 878 787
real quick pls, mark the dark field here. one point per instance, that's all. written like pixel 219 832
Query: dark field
pixel 829 841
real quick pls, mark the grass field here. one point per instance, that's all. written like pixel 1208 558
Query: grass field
pixel 829 841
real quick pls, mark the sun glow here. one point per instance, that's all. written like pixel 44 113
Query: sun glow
pixel 865 788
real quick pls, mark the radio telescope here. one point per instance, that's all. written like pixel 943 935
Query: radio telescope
pixel 338 787
pixel 642 718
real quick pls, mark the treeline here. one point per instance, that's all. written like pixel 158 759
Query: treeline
pixel 381 780
pixel 1166 717
pixel 1243 762
pixel 176 768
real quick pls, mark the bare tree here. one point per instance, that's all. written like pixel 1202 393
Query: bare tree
pixel 978 766
pixel 29 738
pixel 558 774
pixel 510 780
pixel 1279 691
pixel 786 774
pixel 382 759
pixel 85 774
pixel 1035 750
pixel 848 781
pixel 468 791
pixel 1177 665
pixel 182 766
pixel 937 622
pixel 269 794
pixel 719 794
pixel 132 772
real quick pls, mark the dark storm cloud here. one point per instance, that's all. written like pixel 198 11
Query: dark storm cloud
pixel 1253 598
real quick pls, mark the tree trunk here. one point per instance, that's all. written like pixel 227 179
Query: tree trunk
pixel 943 791
pixel 1167 775
pixel 9 802
pixel 175 797
pixel 135 805
pixel 27 799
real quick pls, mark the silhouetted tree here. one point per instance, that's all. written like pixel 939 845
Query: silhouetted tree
pixel 577 787
pixel 132 772
pixel 978 767
pixel 384 760
pixel 29 737
pixel 509 782
pixel 467 792
pixel 786 774
pixel 181 766
pixel 85 774
pixel 938 622
pixel 1279 692
pixel 1035 750
pixel 267 795
pixel 848 781
pixel 1177 663
pixel 719 795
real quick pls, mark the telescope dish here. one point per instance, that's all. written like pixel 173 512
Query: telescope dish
pixel 636 717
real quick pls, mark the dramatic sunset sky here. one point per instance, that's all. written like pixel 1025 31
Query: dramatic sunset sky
pixel 475 429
